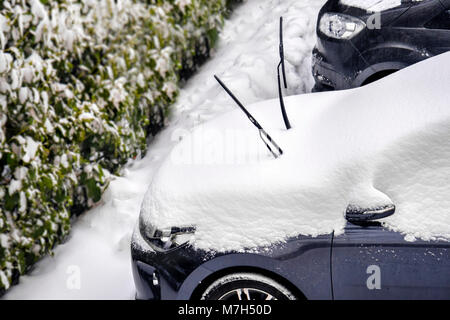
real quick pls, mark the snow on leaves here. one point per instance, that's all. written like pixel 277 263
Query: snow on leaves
pixel 81 85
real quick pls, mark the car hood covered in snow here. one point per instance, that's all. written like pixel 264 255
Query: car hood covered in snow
pixel 383 143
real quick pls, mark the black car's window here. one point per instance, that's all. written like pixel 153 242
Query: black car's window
pixel 441 21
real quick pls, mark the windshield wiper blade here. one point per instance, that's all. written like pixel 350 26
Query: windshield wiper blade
pixel 283 72
pixel 268 141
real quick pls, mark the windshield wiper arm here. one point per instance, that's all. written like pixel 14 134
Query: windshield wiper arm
pixel 283 72
pixel 268 141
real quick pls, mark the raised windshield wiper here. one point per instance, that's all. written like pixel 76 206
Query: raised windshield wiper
pixel 268 141
pixel 283 71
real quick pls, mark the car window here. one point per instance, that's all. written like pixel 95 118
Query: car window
pixel 441 21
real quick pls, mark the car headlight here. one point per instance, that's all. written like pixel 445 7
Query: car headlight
pixel 167 238
pixel 340 26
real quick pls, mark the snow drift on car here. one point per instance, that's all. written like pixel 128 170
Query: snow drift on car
pixel 380 144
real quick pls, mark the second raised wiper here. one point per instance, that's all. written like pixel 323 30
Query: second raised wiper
pixel 268 141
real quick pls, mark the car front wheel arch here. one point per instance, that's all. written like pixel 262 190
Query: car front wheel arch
pixel 277 279
pixel 378 75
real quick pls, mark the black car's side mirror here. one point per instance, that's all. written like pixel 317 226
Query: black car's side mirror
pixel 357 214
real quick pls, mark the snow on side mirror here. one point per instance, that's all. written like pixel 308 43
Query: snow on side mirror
pixel 357 214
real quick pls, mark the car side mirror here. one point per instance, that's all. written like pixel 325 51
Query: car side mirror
pixel 357 214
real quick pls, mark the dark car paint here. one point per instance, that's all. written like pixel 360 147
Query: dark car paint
pixel 324 267
pixel 181 270
pixel 408 269
pixel 402 40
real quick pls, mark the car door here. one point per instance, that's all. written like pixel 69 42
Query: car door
pixel 372 262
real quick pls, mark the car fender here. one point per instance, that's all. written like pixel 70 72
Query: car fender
pixel 387 57
pixel 226 262
pixel 301 280
pixel 374 69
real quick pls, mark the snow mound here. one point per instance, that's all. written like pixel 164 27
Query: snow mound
pixel 383 143
pixel 416 177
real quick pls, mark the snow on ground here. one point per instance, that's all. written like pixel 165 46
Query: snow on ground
pixel 95 261
pixel 362 147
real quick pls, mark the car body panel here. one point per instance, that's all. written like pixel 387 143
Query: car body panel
pixel 181 270
pixel 324 267
pixel 418 14
pixel 407 269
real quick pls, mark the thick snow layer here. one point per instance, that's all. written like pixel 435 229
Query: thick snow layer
pixel 97 252
pixel 416 177
pixel 380 144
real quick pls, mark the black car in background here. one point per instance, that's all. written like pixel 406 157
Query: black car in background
pixel 356 46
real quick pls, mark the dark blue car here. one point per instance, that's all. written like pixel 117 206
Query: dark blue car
pixel 365 259
pixel 366 262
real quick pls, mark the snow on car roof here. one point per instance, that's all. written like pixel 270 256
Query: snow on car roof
pixel 383 143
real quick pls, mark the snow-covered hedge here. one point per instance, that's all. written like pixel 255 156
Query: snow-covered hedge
pixel 82 83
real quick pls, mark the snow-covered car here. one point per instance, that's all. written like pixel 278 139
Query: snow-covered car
pixel 359 42
pixel 356 207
